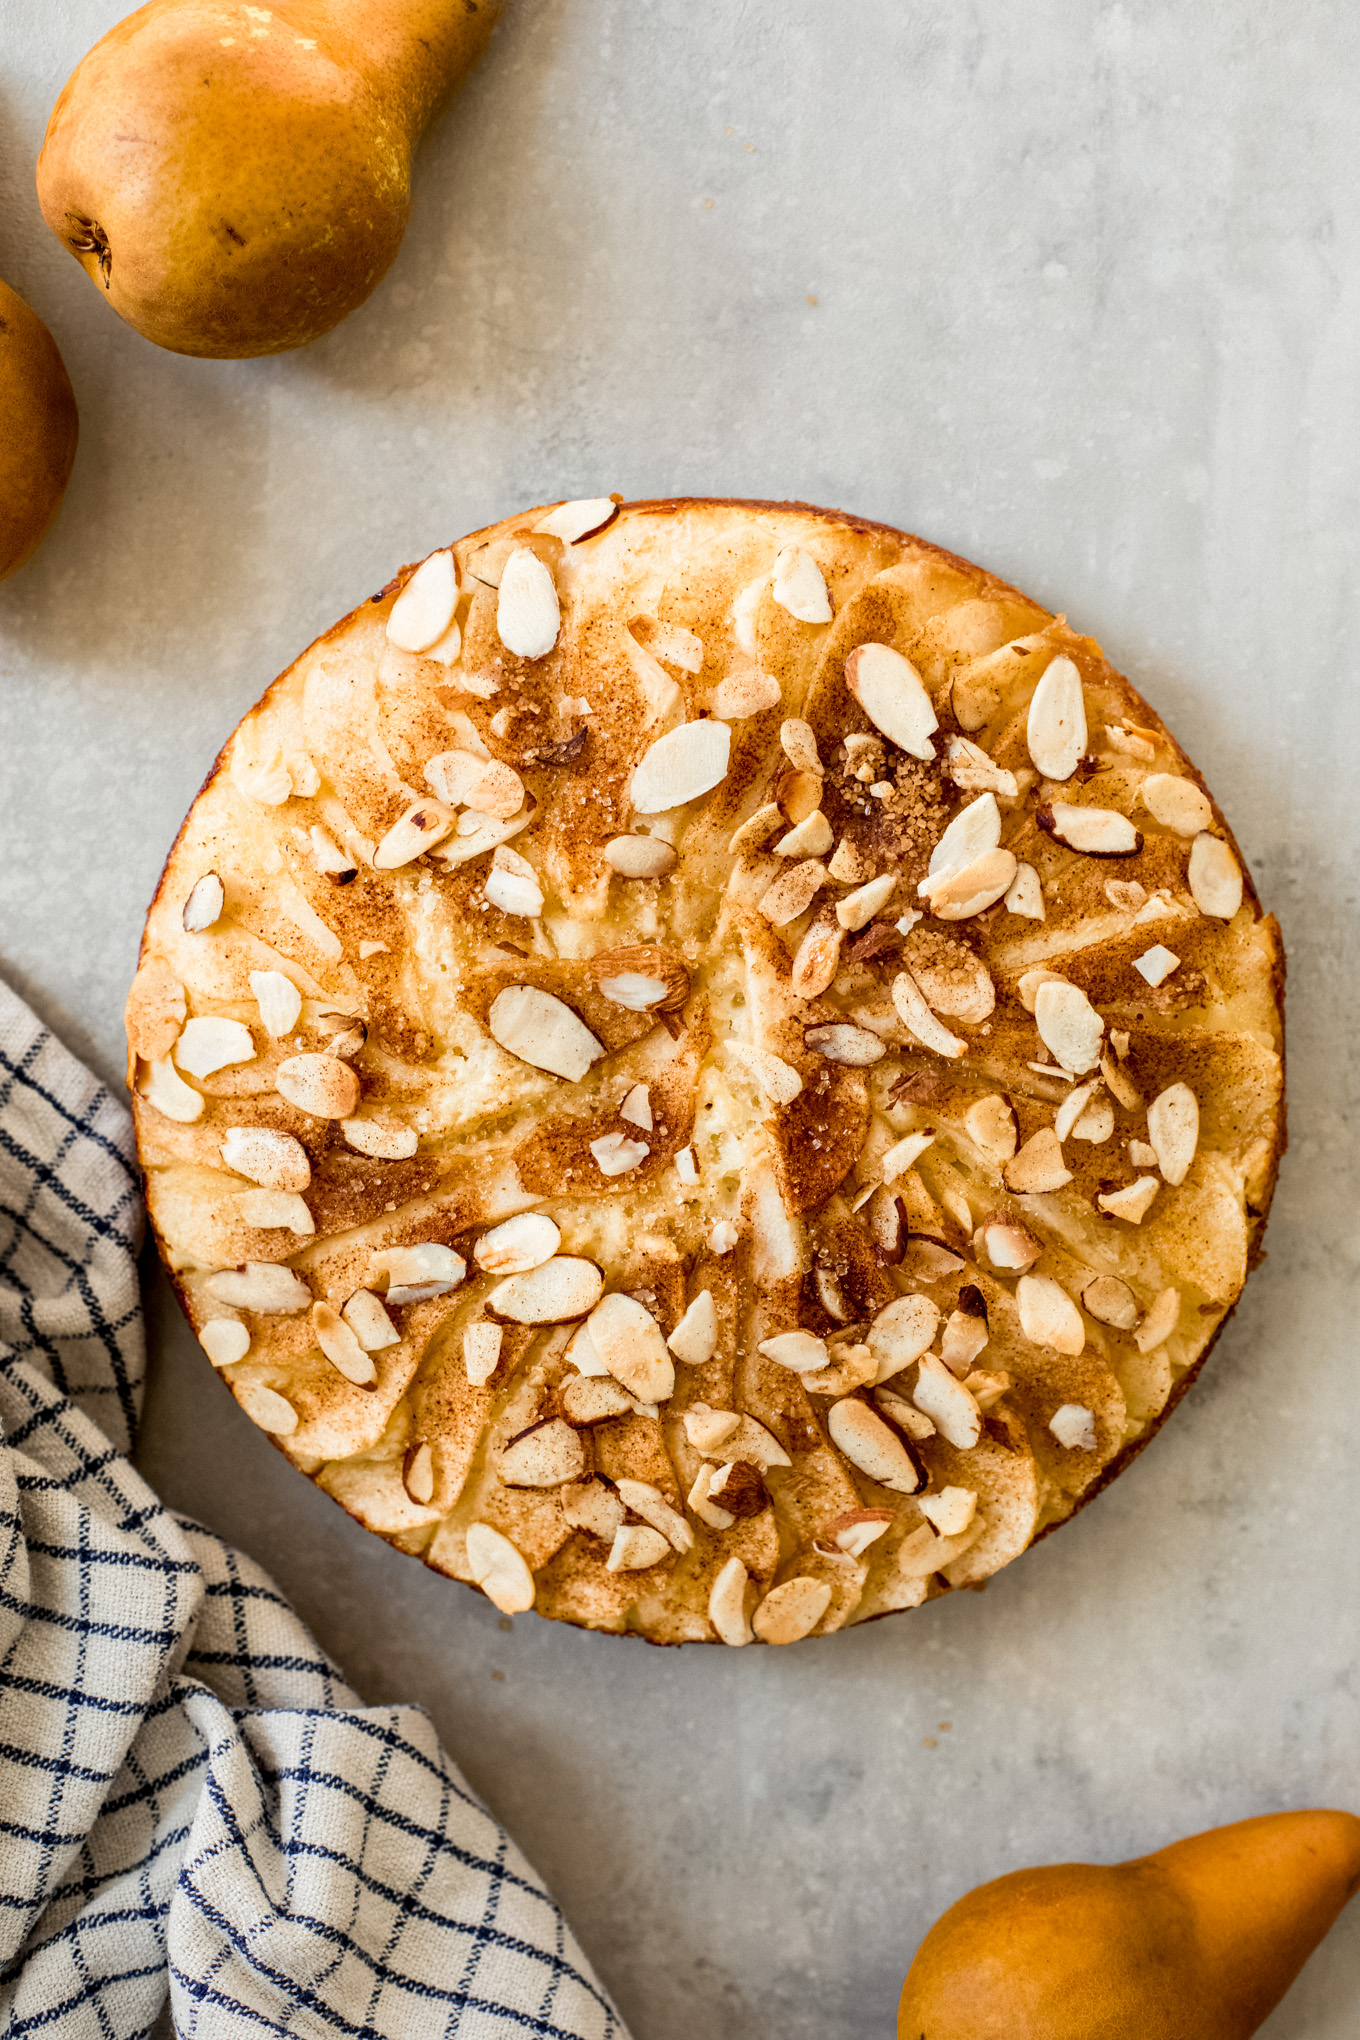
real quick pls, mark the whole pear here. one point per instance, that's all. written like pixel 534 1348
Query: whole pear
pixel 1197 1942
pixel 38 443
pixel 236 178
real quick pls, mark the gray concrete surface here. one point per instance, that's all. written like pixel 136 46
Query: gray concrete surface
pixel 1073 288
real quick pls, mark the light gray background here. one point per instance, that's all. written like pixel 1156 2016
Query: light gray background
pixel 1074 289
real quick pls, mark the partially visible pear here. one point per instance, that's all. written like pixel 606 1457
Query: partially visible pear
pixel 1197 1942
pixel 38 442
pixel 236 178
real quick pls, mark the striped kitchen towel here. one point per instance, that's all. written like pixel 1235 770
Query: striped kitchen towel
pixel 192 1800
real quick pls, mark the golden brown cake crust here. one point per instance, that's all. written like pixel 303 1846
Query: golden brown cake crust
pixel 614 1142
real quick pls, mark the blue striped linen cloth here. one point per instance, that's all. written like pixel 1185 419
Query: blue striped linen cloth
pixel 192 1800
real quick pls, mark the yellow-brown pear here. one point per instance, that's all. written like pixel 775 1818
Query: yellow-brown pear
pixel 38 439
pixel 1198 1942
pixel 236 178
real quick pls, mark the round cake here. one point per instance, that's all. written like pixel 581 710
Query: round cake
pixel 708 1068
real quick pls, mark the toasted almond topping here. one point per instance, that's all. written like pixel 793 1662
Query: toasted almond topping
pixel 966 1332
pixel 1048 1316
pixel 831 1295
pixel 669 641
pixel 616 1155
pixel 636 1547
pixel 992 1124
pixel 591 1504
pixel 1132 1202
pixel 165 1089
pixel 518 1244
pixel 916 1015
pixel 757 830
pixel 893 696
pixel 950 1511
pixel 495 790
pixel 681 766
pixel 1069 1026
pixel 648 1502
pixel 543 1456
pixel 267 1408
pixel 791 1610
pixel 383 1142
pixel 1029 981
pixel 1025 894
pixel 577 520
pixel 849 866
pixel 950 1406
pixel 799 744
pixel 452 775
pixel 700 1501
pixel 1157 908
pixel 1094 831
pixel 901 1333
pixel 851 1365
pixel 1156 964
pixel 542 1031
pixel 970 768
pixel 799 586
pixel 639 856
pixel 1126 894
pixel 528 614
pixel 793 893
pixel 424 609
pixel 873 1446
pixel 341 1346
pixel 778 1080
pixel 1215 878
pixel 417 1473
pixel 1056 730
pixel 425 823
pixel 276 1209
pixel 628 1339
pixel 1161 1321
pixel 155 1010
pixel 1009 1246
pixel 707 1429
pixel 417 1273
pixel 514 888
pixel 724 1236
pixel 1120 1082
pixel 987 1388
pixel 841 1042
pixel 1176 803
pixel 499 1570
pixel 203 907
pixel 1132 743
pixel 1111 1301
pixel 320 1084
pixel 727 1604
pixel 744 692
pixel 369 1322
pixel 636 1107
pixel 633 990
pixel 811 838
pixel 695 1338
pixel 594 1399
pixel 1072 1107
pixel 799 1351
pixel 979 885
pixel 476 834
pixel 482 1351
pixel 225 1340
pixel 279 1001
pixel 858 908
pixel 1074 1427
pixel 1096 1123
pixel 905 1153
pixel 1173 1130
pixel 857 1529
pixel 209 1043
pixel 564 1288
pixel 260 1286
pixel 816 960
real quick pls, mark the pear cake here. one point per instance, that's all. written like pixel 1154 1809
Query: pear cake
pixel 708 1068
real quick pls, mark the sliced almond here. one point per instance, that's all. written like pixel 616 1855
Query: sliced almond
pixel 850 866
pixel 647 1501
pixel 1111 1301
pixel 1094 831
pixel 857 1529
pixel 639 856
pixel 950 1511
pixel 668 641
pixel 686 1168
pixel 203 907
pixel 1173 1130
pixel 543 1456
pixel 634 990
pixel 418 1273
pixel 1008 1245
pixel 155 1010
pixel 1161 1321
pixel 1056 729
pixel 1133 1202
pixel 1133 743
pixel 757 830
pixel 799 586
pixel 1071 1109
pixel 518 1244
pixel 1215 878
pixel 616 1155
pixel 528 614
pixel 636 1107
pixel 425 823
pixel 893 696
pixel 320 1084
pixel 482 1351
pixel 341 1346
pixel 209 1043
pixel 858 908
pixel 916 1015
pixel 512 891
pixel 966 1332
pixel 1096 1123
pixel 793 893
pixel 1048 1316
pixel 791 1611
pixel 1126 894
pixel 543 1032
pixel 424 609
pixel 417 1473
pixel 628 1340
pixel 267 1408
pixel 744 692
pixel 260 1286
pixel 281 1210
pixel 816 960
pixel 993 1127
pixel 636 1547
pixel 498 1568
pixel 695 1338
pixel 594 1399
pixel 952 1408
pixel 904 1154
pixel 1156 964
pixel 1069 1025
pixel 957 985
pixel 225 1340
pixel 1074 1427
pixel 799 744
pixel 727 1604
pixel 799 1351
pixel 811 838
pixel 704 1507
pixel 1025 894
pixel 564 1288
pixel 592 1505
pixel 681 766
pixel 751 1443
pixel 850 1365
pixel 707 1429
pixel 886 1223
pixel 1176 803
pixel 987 1387
pixel 1120 1082
pixel 369 1322
pixel 970 768
pixel 279 1001
pixel 276 1160
pixel 383 1142
pixel 979 885
pixel 874 1447
pixel 579 519
pixel 346 1033
pixel 900 1334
